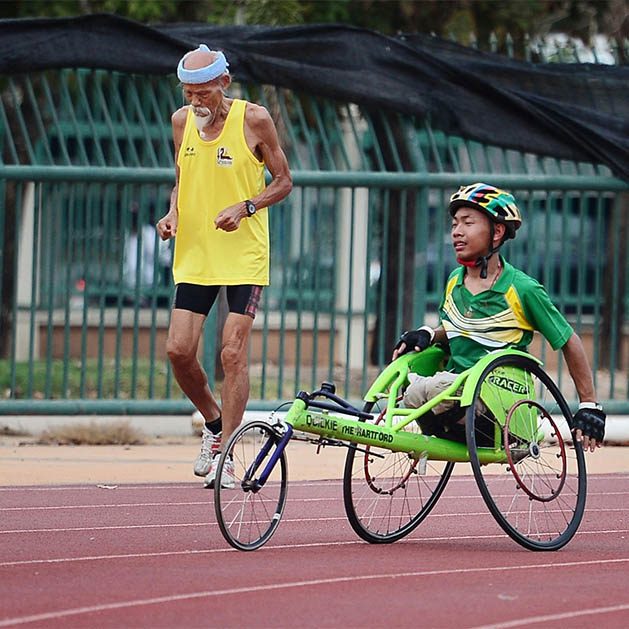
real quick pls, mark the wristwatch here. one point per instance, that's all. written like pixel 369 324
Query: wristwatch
pixel 250 206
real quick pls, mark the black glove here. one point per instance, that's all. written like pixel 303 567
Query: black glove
pixel 591 422
pixel 421 339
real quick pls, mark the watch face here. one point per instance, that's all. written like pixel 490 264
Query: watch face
pixel 251 208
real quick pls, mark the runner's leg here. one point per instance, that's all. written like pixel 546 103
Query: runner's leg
pixel 235 392
pixel 182 344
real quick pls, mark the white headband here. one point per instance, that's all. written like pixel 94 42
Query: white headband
pixel 202 75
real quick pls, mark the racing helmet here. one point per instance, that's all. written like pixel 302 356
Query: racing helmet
pixel 498 204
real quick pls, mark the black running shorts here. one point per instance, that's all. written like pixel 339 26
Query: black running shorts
pixel 241 299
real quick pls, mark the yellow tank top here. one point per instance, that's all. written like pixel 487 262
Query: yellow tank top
pixel 212 176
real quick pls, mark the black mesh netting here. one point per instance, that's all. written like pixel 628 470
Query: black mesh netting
pixel 573 111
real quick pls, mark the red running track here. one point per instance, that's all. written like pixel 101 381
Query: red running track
pixel 153 556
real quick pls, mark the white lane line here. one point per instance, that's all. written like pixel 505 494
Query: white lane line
pixel 93 487
pixel 170 553
pixel 296 483
pixel 296 500
pixel 530 620
pixel 421 540
pixel 153 525
pixel 64 613
pixel 116 505
pixel 119 487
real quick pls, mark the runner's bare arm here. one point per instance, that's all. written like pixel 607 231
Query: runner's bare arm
pixel 260 128
pixel 167 226
pixel 262 139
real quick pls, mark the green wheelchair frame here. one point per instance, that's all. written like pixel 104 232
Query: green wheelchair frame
pixel 517 439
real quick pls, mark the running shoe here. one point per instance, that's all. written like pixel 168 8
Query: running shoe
pixel 210 443
pixel 228 480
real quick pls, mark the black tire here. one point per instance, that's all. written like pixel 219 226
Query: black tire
pixel 386 497
pixel 538 495
pixel 248 514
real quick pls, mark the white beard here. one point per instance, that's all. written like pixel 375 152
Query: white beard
pixel 202 117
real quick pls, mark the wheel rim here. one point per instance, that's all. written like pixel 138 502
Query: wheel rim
pixel 539 476
pixel 248 518
pixel 386 496
pixel 538 495
pixel 395 485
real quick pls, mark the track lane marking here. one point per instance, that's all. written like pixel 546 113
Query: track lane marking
pixel 296 500
pixel 552 617
pixel 266 548
pixel 296 483
pixel 21 620
pixel 334 518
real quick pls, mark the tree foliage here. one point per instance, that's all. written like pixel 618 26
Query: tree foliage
pixel 447 18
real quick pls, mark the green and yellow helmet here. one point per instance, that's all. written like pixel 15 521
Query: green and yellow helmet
pixel 498 204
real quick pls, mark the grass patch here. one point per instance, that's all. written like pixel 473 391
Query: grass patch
pixel 108 379
pixel 93 434
pixel 141 379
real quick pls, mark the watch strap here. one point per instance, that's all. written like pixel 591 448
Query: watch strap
pixel 250 206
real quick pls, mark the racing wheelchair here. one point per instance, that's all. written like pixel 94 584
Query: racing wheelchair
pixel 516 435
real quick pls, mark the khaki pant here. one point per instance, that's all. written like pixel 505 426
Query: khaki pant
pixel 424 388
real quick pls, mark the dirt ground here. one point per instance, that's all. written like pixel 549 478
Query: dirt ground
pixel 170 461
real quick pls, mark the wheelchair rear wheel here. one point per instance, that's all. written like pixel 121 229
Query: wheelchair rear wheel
pixel 538 495
pixel 388 494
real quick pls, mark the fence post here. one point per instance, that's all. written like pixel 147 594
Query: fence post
pixel 615 283
pixel 353 223
pixel 24 289
pixel 351 282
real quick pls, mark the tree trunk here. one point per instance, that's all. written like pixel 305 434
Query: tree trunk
pixel 613 315
pixel 9 213
pixel 398 268
pixel 8 217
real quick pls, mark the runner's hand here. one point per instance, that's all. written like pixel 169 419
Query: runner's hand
pixel 229 219
pixel 167 226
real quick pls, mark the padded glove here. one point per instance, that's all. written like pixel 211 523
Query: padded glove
pixel 416 340
pixel 591 421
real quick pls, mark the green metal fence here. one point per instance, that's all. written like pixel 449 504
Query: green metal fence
pixel 360 249
pixel 84 331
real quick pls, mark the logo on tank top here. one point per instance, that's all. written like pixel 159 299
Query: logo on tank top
pixel 223 158
pixel 189 152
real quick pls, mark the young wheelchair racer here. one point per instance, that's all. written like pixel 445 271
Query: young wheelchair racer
pixel 490 305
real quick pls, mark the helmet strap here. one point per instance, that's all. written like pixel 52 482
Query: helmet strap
pixel 483 262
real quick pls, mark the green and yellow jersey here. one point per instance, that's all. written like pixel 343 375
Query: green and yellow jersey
pixel 505 316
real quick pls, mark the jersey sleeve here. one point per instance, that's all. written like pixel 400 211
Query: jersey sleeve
pixel 452 280
pixel 544 316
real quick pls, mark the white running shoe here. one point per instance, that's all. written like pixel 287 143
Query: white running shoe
pixel 228 480
pixel 210 443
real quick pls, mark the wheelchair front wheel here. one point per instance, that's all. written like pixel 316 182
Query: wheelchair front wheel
pixel 388 494
pixel 538 495
pixel 247 511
